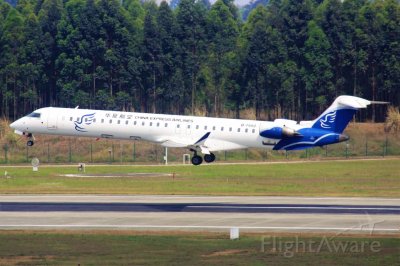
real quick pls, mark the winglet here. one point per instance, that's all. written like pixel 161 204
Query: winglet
pixel 202 139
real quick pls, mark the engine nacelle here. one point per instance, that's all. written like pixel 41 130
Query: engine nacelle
pixel 279 133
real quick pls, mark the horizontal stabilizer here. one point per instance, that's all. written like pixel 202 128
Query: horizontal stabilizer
pixel 379 102
pixel 350 101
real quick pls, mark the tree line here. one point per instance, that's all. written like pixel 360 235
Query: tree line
pixel 290 58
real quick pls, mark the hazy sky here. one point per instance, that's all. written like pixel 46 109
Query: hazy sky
pixel 241 2
pixel 237 2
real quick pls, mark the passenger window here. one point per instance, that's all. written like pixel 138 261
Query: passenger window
pixel 143 123
pixel 126 122
pixel 238 129
pixel 158 124
pixel 254 131
pixel 102 120
pixel 205 127
pixel 188 126
pixel 178 126
pixel 110 121
pixel 213 127
pixel 222 128
pixel 94 120
pixel 166 124
pixel 118 122
pixel 70 119
pixel 151 124
pixel 230 129
pixel 197 127
pixel 134 123
pixel 247 130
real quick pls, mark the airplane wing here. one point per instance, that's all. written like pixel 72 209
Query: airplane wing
pixel 182 142
pixel 205 144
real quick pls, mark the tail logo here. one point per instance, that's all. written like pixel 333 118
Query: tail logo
pixel 84 121
pixel 328 120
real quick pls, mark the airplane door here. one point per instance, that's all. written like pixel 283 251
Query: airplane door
pixel 52 121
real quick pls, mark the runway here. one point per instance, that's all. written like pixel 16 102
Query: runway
pixel 261 214
pixel 193 207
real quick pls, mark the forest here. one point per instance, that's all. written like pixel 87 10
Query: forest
pixel 289 59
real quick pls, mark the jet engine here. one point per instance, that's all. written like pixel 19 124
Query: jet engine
pixel 280 133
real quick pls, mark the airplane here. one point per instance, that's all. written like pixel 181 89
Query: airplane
pixel 203 135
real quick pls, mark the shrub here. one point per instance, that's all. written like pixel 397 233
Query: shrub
pixel 392 119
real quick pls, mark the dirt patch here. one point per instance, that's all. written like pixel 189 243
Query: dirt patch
pixel 227 252
pixel 118 175
pixel 18 260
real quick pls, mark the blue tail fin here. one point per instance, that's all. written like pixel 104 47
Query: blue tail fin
pixel 339 114
pixel 335 120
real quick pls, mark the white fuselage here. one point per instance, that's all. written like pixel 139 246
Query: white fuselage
pixel 198 134
pixel 167 130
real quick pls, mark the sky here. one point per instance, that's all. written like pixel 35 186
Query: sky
pixel 239 3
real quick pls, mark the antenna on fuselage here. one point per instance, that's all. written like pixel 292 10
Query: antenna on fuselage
pixel 77 107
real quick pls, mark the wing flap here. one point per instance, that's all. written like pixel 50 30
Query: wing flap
pixel 174 144
pixel 187 143
pixel 204 144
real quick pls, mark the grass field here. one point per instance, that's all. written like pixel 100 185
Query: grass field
pixel 130 248
pixel 379 178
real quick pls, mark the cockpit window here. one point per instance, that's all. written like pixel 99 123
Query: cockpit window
pixel 37 115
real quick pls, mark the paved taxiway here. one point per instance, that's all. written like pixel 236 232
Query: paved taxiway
pixel 204 213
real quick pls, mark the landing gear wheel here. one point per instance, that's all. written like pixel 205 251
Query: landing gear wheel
pixel 209 158
pixel 196 160
pixel 29 143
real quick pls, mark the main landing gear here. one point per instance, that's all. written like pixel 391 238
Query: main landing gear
pixel 197 160
pixel 209 158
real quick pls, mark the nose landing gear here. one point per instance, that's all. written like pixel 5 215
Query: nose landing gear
pixel 31 140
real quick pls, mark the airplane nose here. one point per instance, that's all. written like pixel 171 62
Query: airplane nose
pixel 16 124
pixel 13 125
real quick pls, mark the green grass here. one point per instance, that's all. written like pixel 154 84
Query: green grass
pixel 329 178
pixel 130 248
